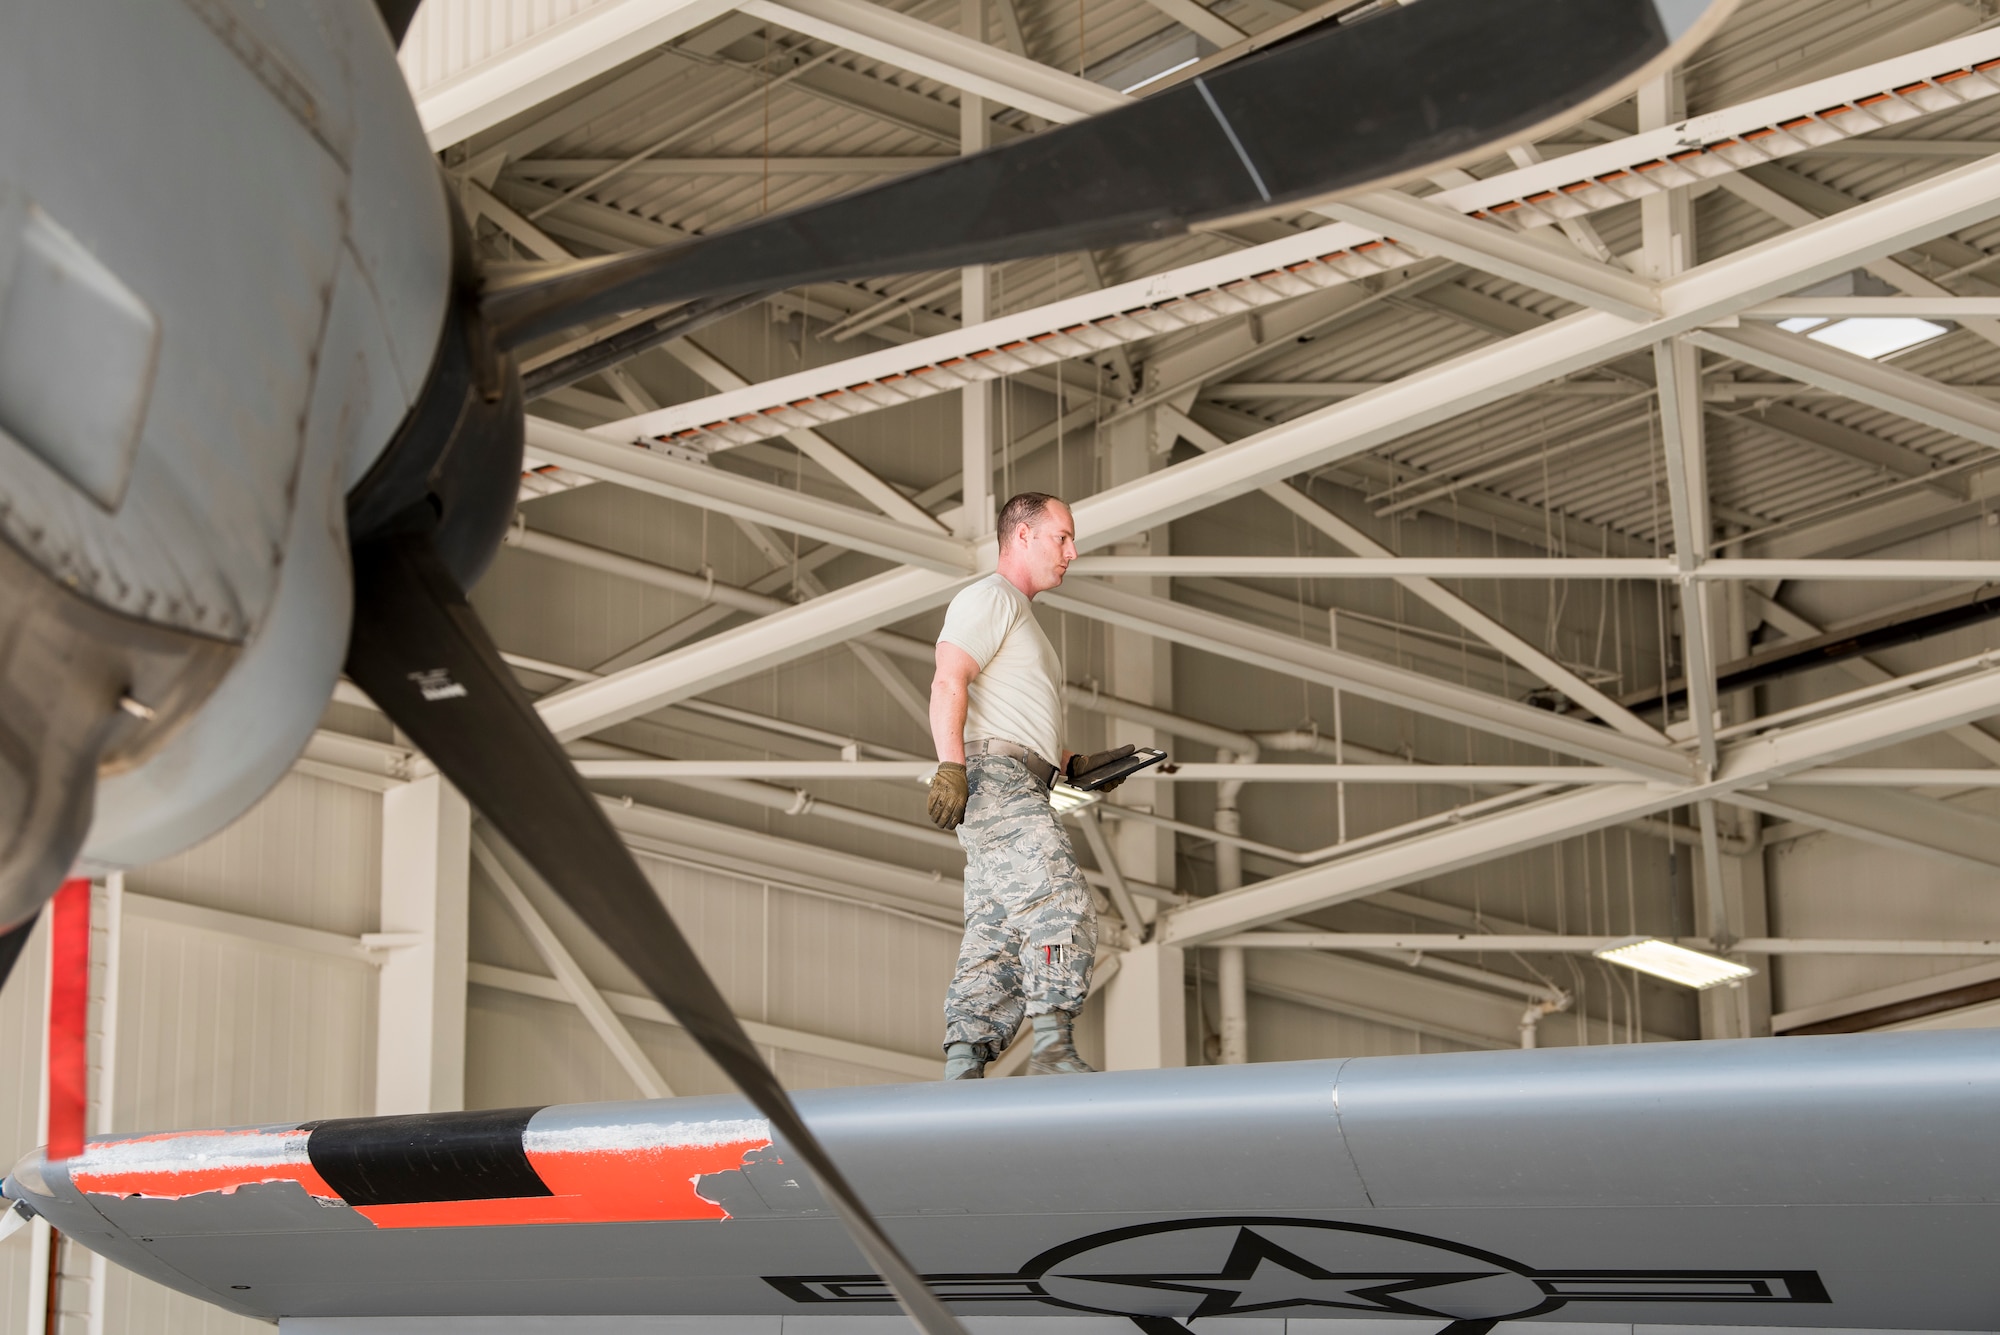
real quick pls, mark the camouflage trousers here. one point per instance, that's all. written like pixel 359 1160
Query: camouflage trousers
pixel 1030 924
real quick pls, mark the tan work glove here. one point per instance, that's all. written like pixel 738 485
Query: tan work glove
pixel 947 800
pixel 1084 764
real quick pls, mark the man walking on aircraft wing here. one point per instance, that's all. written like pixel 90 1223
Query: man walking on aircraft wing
pixel 996 717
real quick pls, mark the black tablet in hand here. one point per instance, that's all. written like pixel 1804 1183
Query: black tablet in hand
pixel 1112 771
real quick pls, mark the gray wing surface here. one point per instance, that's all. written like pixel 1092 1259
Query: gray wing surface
pixel 1842 1182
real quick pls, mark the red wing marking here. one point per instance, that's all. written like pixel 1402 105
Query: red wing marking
pixel 598 1180
pixel 635 1172
pixel 597 1174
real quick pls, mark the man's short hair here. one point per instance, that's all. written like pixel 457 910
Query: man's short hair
pixel 1026 508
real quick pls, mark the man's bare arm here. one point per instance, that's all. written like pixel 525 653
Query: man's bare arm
pixel 949 697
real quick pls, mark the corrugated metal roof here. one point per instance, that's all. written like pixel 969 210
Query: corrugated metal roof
pixel 1583 455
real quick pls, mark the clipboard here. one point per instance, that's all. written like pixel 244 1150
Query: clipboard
pixel 1112 771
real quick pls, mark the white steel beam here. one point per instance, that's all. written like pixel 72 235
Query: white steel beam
pixel 915 771
pixel 576 984
pixel 1877 384
pixel 1145 1010
pixel 1944 306
pixel 420 1002
pixel 1870 673
pixel 937 53
pixel 1473 943
pixel 1436 229
pixel 1791 422
pixel 1744 766
pixel 1677 372
pixel 745 498
pixel 1201 20
pixel 1890 270
pixel 733 654
pixel 1889 819
pixel 1436 595
pixel 1534 568
pixel 1342 430
pixel 543 65
pixel 1825 111
pixel 264 931
pixel 1870 776
pixel 813 445
pixel 1718 144
pixel 1574 343
pixel 1385 993
pixel 1715 389
pixel 483 203
pixel 572 169
pixel 767 1035
pixel 976 399
pixel 906 771
pixel 1076 327
pixel 1244 643
pixel 1107 863
pixel 822 451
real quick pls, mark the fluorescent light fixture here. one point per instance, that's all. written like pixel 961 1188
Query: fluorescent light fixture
pixel 1065 799
pixel 1875 337
pixel 1676 964
pixel 1864 336
pixel 1155 78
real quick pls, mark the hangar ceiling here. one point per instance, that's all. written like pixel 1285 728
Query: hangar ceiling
pixel 1401 516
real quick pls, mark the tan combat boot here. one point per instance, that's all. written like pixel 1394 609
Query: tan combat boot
pixel 966 1061
pixel 1054 1053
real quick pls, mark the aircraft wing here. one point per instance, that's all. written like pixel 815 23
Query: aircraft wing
pixel 1844 1182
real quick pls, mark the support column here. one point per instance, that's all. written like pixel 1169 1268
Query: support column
pixel 42 1239
pixel 1232 989
pixel 1139 668
pixel 1145 1010
pixel 976 400
pixel 1233 994
pixel 107 950
pixel 1744 1011
pixel 420 1001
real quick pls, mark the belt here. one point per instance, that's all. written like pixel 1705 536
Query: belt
pixel 1042 770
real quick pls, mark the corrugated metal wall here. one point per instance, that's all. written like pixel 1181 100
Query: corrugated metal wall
pixel 1825 885
pixel 21 1004
pixel 449 36
pixel 217 1030
pixel 780 955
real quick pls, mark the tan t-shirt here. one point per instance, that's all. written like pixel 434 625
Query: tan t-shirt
pixel 1016 695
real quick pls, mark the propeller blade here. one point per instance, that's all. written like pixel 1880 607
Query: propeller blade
pixel 1336 108
pixel 11 943
pixel 420 652
pixel 582 363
